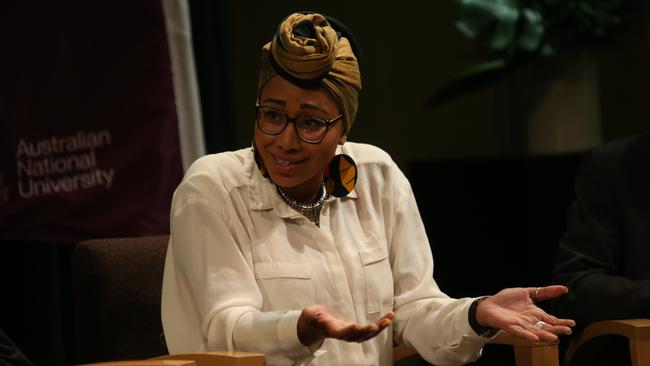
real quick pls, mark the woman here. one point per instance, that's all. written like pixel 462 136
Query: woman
pixel 275 250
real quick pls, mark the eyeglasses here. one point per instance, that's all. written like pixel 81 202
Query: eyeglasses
pixel 309 129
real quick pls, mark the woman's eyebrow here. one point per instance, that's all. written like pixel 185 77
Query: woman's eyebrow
pixel 283 103
pixel 312 107
pixel 275 101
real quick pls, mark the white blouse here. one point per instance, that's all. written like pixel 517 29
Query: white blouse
pixel 242 264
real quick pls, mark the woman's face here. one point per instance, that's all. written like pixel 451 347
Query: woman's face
pixel 292 164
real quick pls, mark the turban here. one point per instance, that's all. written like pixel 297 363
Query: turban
pixel 309 52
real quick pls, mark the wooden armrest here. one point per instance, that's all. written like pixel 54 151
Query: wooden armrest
pixel 526 353
pixel 630 328
pixel 529 353
pixel 636 330
pixel 144 363
pixel 219 358
pixel 512 340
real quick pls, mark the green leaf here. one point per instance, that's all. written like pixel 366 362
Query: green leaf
pixel 474 78
pixel 547 50
pixel 495 20
pixel 532 30
pixel 520 31
pixel 553 3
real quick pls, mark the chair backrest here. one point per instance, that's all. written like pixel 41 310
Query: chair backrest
pixel 117 287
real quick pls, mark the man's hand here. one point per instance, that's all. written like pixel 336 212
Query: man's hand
pixel 317 322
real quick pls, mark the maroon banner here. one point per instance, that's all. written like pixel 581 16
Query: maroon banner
pixel 89 144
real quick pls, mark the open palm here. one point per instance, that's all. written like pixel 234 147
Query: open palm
pixel 514 311
pixel 318 322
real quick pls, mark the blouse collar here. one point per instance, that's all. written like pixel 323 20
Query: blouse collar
pixel 263 193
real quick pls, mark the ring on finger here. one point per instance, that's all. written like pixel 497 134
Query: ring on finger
pixel 539 325
pixel 535 297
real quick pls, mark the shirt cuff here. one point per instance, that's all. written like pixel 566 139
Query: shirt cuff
pixel 288 336
pixel 273 333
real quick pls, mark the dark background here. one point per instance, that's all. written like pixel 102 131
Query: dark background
pixel 493 213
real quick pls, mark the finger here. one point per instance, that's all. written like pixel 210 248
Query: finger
pixel 522 332
pixel 380 325
pixel 360 332
pixel 389 315
pixel 548 318
pixel 365 333
pixel 547 292
pixel 566 322
pixel 545 335
pixel 546 332
pixel 557 329
pixel 374 334
pixel 354 332
pixel 383 323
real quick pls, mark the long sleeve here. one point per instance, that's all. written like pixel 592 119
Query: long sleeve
pixel 601 256
pixel 241 265
pixel 210 297
pixel 428 320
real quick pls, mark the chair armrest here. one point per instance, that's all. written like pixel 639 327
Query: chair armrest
pixel 506 338
pixel 152 362
pixel 636 330
pixel 526 353
pixel 529 353
pixel 254 359
pixel 219 358
pixel 630 328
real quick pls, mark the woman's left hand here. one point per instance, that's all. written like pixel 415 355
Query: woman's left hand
pixel 514 310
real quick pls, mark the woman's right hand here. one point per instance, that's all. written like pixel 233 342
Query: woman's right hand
pixel 317 322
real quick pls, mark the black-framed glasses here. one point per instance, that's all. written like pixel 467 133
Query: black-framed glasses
pixel 309 129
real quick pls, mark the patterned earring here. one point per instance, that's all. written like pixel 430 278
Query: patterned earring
pixel 259 163
pixel 340 175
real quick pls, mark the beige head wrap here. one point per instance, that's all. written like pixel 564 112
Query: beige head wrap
pixel 308 52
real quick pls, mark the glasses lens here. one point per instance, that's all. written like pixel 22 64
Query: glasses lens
pixel 271 120
pixel 311 128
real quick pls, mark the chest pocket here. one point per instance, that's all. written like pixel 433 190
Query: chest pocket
pixel 379 280
pixel 284 286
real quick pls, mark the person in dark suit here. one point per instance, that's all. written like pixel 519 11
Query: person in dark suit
pixel 10 354
pixel 604 256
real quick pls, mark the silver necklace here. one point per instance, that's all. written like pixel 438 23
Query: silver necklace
pixel 309 210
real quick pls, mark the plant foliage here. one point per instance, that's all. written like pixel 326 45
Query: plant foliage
pixel 518 31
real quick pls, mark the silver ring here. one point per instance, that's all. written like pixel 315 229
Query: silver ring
pixel 535 293
pixel 539 325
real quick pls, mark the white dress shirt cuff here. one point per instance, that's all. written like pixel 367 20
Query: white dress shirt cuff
pixel 288 336
pixel 274 332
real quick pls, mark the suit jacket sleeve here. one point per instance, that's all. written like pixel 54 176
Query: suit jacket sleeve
pixel 594 255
